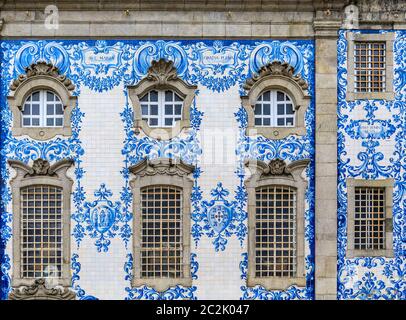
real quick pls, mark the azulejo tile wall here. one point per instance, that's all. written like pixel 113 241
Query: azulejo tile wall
pixel 104 146
pixel 371 145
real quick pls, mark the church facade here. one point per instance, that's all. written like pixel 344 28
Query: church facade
pixel 203 150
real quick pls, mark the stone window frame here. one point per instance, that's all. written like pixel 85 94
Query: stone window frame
pixel 276 172
pixel 41 173
pixel 162 75
pixel 388 184
pixel 170 172
pixel 389 39
pixel 276 76
pixel 41 76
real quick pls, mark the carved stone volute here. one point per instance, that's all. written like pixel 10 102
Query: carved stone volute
pixel 38 290
pixel 42 68
pixel 276 68
pixel 161 72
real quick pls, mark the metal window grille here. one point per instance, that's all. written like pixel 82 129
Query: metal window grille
pixel 274 109
pixel 41 232
pixel 275 232
pixel 42 109
pixel 369 222
pixel 161 235
pixel 370 66
pixel 161 108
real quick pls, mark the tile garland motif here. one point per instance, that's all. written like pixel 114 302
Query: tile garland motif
pixel 102 65
pixel 371 278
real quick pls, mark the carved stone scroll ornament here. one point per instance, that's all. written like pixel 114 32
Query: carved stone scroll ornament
pixel 275 167
pixel 42 69
pixel 40 167
pixel 150 167
pixel 162 72
pixel 39 290
pixel 276 68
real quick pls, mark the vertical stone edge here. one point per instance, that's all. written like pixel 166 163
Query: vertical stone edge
pixel 326 28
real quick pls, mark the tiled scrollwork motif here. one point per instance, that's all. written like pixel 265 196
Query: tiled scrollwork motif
pixel 104 65
pixel 378 137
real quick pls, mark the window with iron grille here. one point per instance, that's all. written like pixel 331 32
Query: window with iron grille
pixel 369 66
pixel 161 108
pixel 369 220
pixel 41 231
pixel 161 232
pixel 274 109
pixel 275 232
pixel 42 109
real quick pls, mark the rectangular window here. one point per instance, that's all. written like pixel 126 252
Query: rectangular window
pixel 369 66
pixel 275 232
pixel 41 232
pixel 161 232
pixel 369 220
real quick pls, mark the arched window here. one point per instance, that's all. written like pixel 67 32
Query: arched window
pixel 274 108
pixel 42 108
pixel 161 108
pixel 276 101
pixel 162 101
pixel 42 100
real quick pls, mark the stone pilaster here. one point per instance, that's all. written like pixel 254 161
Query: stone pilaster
pixel 326 33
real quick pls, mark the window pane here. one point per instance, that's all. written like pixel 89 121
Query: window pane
pixel 178 109
pixel 144 109
pixel 168 109
pixel 153 95
pixel 168 96
pixel 50 109
pixel 59 109
pixel 168 122
pixel 59 122
pixel 27 109
pixel 50 122
pixel 154 110
pixel 267 109
pixel 35 122
pixel 35 96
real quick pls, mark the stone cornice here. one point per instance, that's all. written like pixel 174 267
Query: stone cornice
pixel 275 68
pixel 150 167
pixel 275 167
pixel 42 68
pixel 38 290
pixel 40 167
pixel 174 5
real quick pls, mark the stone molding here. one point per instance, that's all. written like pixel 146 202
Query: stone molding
pixel 172 173
pixel 41 173
pixel 168 166
pixel 39 291
pixel 41 76
pixel 280 76
pixel 276 172
pixel 162 75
